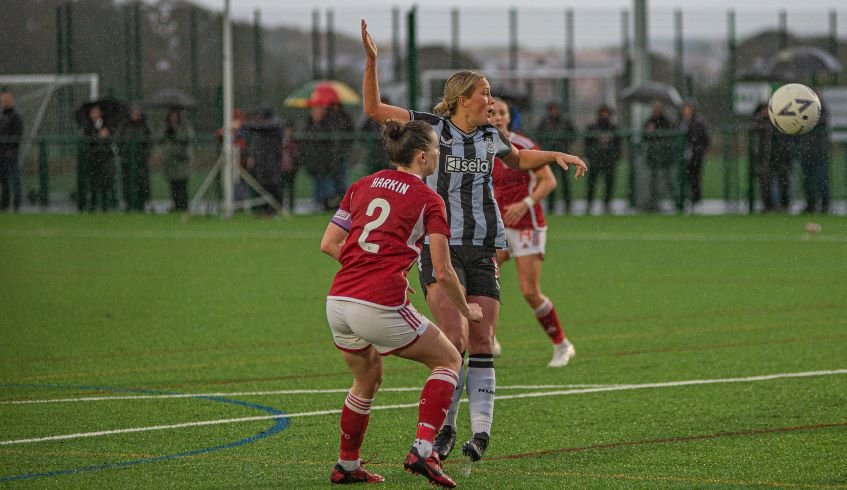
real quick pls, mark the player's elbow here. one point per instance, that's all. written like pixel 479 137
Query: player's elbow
pixel 330 248
pixel 443 272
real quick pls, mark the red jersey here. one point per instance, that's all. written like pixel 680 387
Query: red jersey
pixel 387 215
pixel 511 186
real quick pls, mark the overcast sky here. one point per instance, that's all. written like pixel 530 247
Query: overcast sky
pixel 597 21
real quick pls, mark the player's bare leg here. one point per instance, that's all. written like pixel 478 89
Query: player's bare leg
pixel 366 366
pixel 455 328
pixel 529 278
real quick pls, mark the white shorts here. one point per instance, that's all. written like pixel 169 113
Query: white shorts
pixel 355 326
pixel 521 243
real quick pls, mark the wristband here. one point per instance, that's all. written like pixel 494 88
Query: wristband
pixel 529 201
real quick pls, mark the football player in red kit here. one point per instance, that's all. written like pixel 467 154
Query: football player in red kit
pixel 377 234
pixel 518 195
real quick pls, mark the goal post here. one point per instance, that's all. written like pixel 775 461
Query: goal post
pixel 47 104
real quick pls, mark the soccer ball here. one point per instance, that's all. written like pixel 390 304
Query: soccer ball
pixel 794 109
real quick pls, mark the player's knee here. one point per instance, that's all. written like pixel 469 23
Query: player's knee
pixel 453 360
pixel 531 294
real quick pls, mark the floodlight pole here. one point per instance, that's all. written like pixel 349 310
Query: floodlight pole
pixel 228 204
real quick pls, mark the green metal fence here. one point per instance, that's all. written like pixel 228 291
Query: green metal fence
pixel 55 177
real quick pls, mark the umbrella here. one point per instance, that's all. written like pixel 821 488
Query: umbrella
pixel 114 112
pixel 321 93
pixel 803 59
pixel 650 91
pixel 170 98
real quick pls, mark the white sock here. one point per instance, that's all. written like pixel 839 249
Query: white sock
pixel 481 384
pixel 350 465
pixel 424 447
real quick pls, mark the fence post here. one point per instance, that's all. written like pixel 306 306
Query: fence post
pixel 43 176
pixel 634 150
pixel 682 177
pixel 81 173
pixel 412 57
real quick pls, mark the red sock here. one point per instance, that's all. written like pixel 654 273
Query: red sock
pixel 354 422
pixel 549 320
pixel 435 401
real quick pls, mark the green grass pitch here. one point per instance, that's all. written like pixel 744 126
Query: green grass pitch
pixel 143 352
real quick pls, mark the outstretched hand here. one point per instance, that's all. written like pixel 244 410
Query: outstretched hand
pixel 564 160
pixel 368 42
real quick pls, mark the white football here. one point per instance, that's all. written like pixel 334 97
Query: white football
pixel 794 109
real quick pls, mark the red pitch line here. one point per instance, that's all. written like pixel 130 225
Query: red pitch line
pixel 665 440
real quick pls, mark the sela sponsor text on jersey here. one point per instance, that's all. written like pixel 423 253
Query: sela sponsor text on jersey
pixel 468 166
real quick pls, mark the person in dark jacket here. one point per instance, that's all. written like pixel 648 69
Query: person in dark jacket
pixel 290 163
pixel 178 153
pixel 101 159
pixel 659 154
pixel 603 149
pixel 760 136
pixel 11 131
pixel 264 147
pixel 813 152
pixel 781 163
pixel 696 144
pixel 325 148
pixel 135 144
pixel 342 124
pixel 557 131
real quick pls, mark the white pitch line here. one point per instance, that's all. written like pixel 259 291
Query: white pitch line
pixel 262 393
pixel 309 235
pixel 669 384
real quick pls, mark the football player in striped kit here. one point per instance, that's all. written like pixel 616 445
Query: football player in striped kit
pixel 468 144
pixel 376 235
pixel 518 196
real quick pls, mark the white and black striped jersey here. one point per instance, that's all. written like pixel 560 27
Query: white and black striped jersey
pixel 463 180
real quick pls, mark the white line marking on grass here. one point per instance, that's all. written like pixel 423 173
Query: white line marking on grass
pixel 261 393
pixel 309 235
pixel 669 384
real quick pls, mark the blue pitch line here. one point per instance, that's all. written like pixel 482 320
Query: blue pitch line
pixel 279 425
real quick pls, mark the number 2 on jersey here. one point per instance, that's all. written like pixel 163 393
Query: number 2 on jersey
pixel 384 208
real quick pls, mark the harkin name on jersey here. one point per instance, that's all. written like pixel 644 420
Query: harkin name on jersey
pixel 390 184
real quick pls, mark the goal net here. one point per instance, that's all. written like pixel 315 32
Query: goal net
pixel 47 104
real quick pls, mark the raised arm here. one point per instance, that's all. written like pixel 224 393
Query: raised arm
pixel 532 159
pixel 373 105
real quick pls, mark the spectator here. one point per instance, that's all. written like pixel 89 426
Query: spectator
pixel 289 161
pixel 781 163
pixel 134 149
pixel 178 155
pixel 696 144
pixel 264 157
pixel 11 131
pixel 813 152
pixel 342 124
pixel 603 149
pixel 239 146
pixel 376 156
pixel 659 154
pixel 557 131
pixel 759 151
pixel 101 159
pixel 323 151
